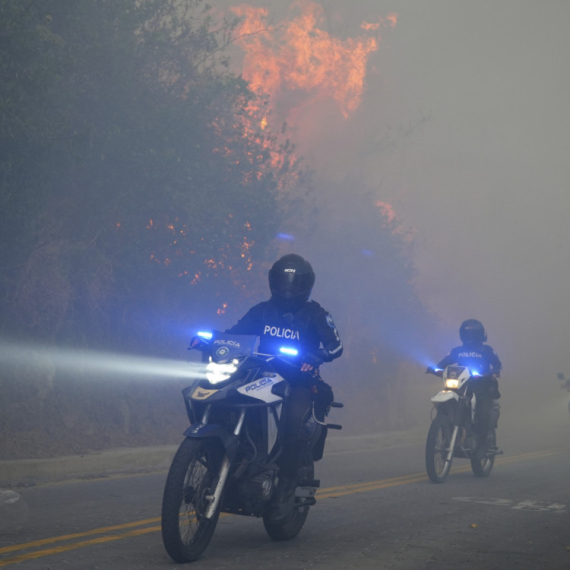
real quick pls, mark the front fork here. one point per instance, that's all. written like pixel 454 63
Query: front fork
pixel 456 424
pixel 214 498
pixel 452 444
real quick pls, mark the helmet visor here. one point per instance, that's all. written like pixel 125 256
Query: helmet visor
pixel 472 335
pixel 290 284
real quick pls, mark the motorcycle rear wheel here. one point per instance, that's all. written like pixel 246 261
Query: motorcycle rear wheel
pixel 437 448
pixel 185 531
pixel 292 525
pixel 482 467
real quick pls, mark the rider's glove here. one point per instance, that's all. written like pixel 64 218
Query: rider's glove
pixel 198 343
pixel 315 359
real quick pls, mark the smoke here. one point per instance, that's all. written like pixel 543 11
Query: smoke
pixel 102 364
pixel 462 129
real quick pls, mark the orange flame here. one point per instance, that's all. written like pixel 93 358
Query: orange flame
pixel 390 20
pixel 299 56
pixel 368 26
pixel 393 19
pixel 387 211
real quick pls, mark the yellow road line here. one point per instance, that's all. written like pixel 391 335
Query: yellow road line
pixel 67 547
pixel 102 530
pixel 415 477
pixel 324 494
pixel 75 545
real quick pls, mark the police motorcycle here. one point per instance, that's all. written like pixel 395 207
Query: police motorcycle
pixel 227 462
pixel 453 431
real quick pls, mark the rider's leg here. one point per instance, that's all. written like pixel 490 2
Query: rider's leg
pixel 483 417
pixel 292 432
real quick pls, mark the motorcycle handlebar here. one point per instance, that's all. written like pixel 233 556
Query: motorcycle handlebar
pixel 314 359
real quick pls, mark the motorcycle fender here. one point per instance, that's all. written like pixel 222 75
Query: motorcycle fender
pixel 444 396
pixel 229 441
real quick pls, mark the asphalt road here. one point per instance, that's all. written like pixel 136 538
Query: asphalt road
pixel 376 510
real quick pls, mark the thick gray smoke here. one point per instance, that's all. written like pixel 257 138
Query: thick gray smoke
pixel 464 130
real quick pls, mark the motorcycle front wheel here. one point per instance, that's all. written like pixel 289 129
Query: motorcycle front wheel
pixel 482 466
pixel 185 531
pixel 292 525
pixel 437 448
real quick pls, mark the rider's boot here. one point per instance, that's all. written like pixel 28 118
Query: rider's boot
pixel 492 443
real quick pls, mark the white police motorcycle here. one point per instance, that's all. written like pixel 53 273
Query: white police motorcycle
pixel 227 462
pixel 453 431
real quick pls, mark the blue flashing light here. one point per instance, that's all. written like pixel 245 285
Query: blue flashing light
pixel 474 373
pixel 286 237
pixel 206 335
pixel 438 369
pixel 289 351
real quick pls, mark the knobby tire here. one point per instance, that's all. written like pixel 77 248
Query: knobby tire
pixel 437 446
pixel 185 531
pixel 292 525
pixel 482 467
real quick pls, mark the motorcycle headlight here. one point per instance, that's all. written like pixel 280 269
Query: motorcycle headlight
pixel 452 383
pixel 216 373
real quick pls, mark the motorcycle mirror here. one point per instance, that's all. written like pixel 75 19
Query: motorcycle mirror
pixel 560 376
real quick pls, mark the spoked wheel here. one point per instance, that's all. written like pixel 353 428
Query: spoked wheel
pixel 291 526
pixel 482 465
pixel 185 531
pixel 437 448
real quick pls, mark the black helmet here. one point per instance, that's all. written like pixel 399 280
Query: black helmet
pixel 291 281
pixel 472 331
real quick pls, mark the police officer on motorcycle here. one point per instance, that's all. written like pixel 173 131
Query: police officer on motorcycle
pixel 480 358
pixel 290 319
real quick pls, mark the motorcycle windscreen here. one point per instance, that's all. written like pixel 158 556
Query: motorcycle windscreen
pixel 454 372
pixel 227 347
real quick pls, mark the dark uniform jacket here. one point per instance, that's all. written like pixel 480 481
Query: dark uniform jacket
pixel 479 358
pixel 306 330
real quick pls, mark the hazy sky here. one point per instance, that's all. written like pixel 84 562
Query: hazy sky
pixel 465 129
pixel 484 182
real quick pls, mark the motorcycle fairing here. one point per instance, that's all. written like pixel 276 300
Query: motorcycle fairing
pixel 445 396
pixel 454 372
pixel 202 394
pixel 461 374
pixel 228 440
pixel 226 347
pixel 261 389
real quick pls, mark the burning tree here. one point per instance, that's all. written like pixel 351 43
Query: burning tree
pixel 297 61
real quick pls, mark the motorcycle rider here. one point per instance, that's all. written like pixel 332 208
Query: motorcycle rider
pixel 483 360
pixel 290 319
